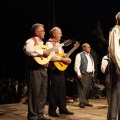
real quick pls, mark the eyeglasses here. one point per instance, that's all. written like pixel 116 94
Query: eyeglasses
pixel 41 31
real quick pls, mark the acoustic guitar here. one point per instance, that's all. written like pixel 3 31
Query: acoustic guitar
pixel 44 60
pixel 60 65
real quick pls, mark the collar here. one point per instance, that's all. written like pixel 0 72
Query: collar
pixel 86 53
pixel 53 40
pixel 39 40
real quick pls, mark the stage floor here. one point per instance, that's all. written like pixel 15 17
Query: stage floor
pixel 97 112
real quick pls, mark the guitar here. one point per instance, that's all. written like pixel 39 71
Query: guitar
pixel 60 65
pixel 44 60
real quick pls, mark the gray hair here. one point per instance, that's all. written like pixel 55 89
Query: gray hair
pixel 84 45
pixel 35 26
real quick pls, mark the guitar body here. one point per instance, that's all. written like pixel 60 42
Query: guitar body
pixel 60 65
pixel 42 60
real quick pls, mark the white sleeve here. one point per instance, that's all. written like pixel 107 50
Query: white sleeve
pixel 114 46
pixel 104 64
pixel 30 50
pixel 77 64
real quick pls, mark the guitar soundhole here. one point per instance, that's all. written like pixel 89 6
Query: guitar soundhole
pixel 60 63
pixel 41 57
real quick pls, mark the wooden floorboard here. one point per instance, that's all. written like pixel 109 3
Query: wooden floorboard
pixel 97 112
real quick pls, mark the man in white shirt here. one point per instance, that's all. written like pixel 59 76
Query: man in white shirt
pixel 104 63
pixel 114 50
pixel 84 67
pixel 105 68
pixel 57 78
pixel 37 74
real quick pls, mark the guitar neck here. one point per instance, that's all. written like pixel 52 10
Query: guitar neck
pixel 70 52
pixel 53 48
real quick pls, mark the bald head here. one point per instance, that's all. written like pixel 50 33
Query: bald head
pixel 86 47
pixel 56 33
pixel 54 30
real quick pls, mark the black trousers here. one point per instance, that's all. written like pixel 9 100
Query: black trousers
pixel 107 85
pixel 84 86
pixel 57 96
pixel 114 103
pixel 37 92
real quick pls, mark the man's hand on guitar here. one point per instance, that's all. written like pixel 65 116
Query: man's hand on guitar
pixel 66 60
pixel 46 53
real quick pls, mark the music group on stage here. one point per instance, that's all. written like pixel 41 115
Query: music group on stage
pixel 50 56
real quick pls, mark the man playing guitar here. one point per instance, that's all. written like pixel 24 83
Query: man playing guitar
pixel 57 87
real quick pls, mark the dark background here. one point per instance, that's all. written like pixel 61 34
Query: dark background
pixel 74 17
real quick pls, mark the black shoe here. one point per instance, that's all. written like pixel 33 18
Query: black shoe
pixel 87 104
pixel 82 105
pixel 53 114
pixel 67 112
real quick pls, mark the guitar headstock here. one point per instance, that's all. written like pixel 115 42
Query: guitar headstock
pixel 76 45
pixel 67 42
